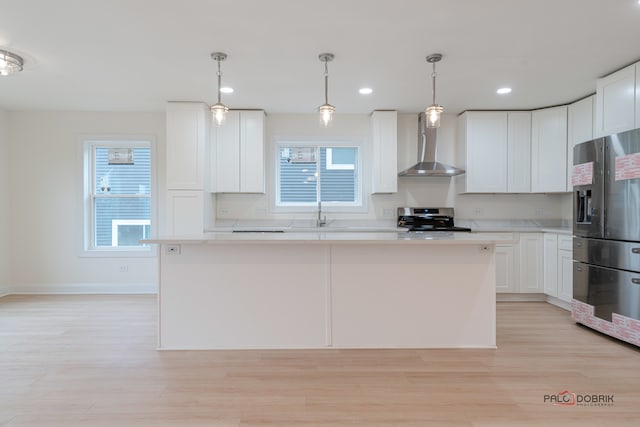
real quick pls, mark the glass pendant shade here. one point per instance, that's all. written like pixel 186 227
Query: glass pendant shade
pixel 326 113
pixel 10 63
pixel 433 113
pixel 219 113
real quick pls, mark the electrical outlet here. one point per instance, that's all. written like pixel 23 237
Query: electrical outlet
pixel 224 211
pixel 387 212
pixel 478 211
pixel 124 268
pixel 173 249
pixel 539 212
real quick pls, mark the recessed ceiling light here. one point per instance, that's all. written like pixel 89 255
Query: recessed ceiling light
pixel 226 89
pixel 505 90
pixel 368 90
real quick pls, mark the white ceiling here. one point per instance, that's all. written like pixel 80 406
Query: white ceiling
pixel 134 55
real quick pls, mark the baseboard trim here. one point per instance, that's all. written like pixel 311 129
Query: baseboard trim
pixel 508 297
pixel 83 288
pixel 559 303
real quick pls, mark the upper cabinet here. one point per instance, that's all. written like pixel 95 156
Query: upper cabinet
pixel 187 135
pixel 384 146
pixel 580 126
pixel 549 150
pixel 495 146
pixel 616 102
pixel 237 154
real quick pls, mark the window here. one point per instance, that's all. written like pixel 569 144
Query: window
pixel 117 195
pixel 308 174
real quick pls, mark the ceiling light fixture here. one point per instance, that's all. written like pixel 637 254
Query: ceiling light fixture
pixel 366 91
pixel 219 110
pixel 10 63
pixel 434 111
pixel 503 90
pixel 326 110
pixel 226 89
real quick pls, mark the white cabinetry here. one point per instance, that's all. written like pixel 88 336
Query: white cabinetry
pixel 530 263
pixel 186 167
pixel 519 264
pixel 518 152
pixel 580 126
pixel 549 150
pixel 187 125
pixel 495 146
pixel 185 212
pixel 384 146
pixel 505 274
pixel 558 266
pixel 616 102
pixel 551 264
pixel 238 153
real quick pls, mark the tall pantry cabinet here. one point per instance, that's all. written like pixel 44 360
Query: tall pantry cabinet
pixel 187 201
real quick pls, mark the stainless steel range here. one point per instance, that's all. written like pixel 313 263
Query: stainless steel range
pixel 428 219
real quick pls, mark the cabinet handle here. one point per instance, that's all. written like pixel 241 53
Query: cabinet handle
pixel 636 281
pixel 635 250
pixel 579 244
pixel 579 268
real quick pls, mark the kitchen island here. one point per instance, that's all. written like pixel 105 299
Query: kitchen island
pixel 327 289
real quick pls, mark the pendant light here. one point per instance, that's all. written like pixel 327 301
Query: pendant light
pixel 219 110
pixel 326 110
pixel 434 111
pixel 10 63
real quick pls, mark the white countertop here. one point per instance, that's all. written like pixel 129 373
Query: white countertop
pixel 338 237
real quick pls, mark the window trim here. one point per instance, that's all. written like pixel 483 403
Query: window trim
pixel 359 206
pixel 86 243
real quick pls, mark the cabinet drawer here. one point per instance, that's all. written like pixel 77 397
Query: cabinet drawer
pixel 565 242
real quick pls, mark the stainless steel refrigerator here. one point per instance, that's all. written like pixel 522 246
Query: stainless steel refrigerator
pixel 606 228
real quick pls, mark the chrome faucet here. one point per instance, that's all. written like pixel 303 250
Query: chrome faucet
pixel 321 222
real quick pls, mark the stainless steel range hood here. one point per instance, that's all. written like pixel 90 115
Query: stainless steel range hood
pixel 427 164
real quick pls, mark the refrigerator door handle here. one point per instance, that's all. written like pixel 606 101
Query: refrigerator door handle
pixel 636 281
pixel 635 250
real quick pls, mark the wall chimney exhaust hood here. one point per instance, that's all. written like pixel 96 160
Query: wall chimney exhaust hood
pixel 427 164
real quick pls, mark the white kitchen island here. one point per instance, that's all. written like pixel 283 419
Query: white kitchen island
pixel 327 289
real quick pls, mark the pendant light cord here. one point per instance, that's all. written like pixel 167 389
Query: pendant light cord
pixel 433 79
pixel 326 82
pixel 219 78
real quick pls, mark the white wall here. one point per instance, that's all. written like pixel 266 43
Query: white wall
pixel 4 205
pixel 46 184
pixel 412 191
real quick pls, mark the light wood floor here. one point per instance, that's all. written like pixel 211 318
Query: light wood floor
pixel 91 361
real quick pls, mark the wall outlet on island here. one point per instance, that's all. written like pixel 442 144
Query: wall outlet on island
pixel 124 268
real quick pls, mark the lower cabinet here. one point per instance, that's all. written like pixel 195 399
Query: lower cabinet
pixel 186 212
pixel 519 265
pixel 558 266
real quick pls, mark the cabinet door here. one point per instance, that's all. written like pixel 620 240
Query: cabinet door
pixel 505 277
pixel 486 149
pixel 550 266
pixel 384 147
pixel 615 102
pixel 565 275
pixel 531 263
pixel 252 152
pixel 185 213
pixel 187 127
pixel 519 152
pixel 579 128
pixel 549 150
pixel 227 147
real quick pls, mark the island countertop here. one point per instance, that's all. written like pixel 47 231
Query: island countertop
pixel 337 237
